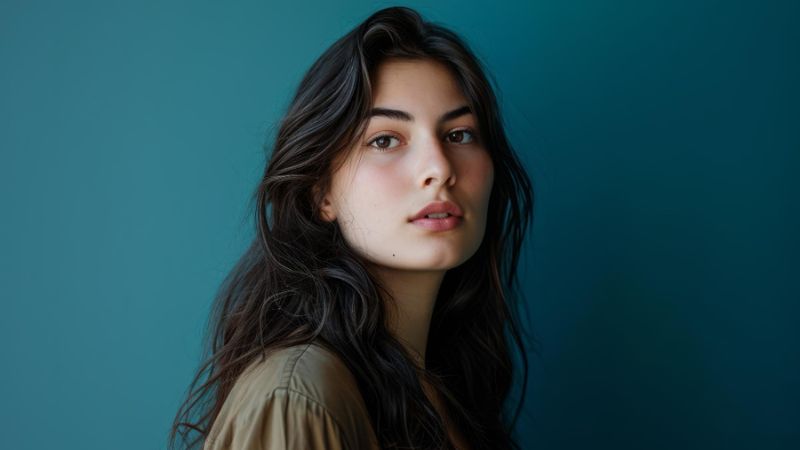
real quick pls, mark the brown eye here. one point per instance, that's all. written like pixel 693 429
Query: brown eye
pixel 382 142
pixel 457 136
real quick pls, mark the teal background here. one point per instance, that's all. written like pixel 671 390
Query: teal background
pixel 661 274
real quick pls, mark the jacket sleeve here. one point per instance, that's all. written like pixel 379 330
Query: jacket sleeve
pixel 284 420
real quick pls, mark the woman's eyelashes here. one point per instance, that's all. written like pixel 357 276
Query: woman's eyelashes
pixel 384 140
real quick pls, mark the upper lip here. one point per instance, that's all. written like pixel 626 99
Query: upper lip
pixel 438 207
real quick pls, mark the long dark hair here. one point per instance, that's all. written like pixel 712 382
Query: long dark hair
pixel 299 281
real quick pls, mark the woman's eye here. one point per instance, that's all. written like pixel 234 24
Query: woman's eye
pixel 382 142
pixel 459 136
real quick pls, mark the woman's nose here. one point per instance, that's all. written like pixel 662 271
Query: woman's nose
pixel 435 166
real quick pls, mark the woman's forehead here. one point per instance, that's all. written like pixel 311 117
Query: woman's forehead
pixel 421 85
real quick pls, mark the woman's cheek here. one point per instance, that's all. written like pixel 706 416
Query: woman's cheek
pixel 382 183
pixel 477 173
pixel 485 171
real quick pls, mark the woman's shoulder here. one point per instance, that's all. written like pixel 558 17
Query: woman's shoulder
pixel 310 370
pixel 308 384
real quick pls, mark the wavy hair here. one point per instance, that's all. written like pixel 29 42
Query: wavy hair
pixel 299 281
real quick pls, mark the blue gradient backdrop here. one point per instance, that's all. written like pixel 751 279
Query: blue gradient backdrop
pixel 661 275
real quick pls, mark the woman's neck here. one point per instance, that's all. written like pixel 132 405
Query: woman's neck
pixel 414 294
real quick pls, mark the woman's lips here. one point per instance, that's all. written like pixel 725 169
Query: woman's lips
pixel 447 223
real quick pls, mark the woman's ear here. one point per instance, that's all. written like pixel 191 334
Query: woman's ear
pixel 326 210
pixel 324 204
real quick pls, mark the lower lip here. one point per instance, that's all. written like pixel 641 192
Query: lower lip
pixel 448 223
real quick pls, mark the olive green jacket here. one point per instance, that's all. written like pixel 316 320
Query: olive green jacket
pixel 300 398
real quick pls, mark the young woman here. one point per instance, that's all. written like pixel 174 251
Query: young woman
pixel 371 310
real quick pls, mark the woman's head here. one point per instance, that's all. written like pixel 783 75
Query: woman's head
pixel 344 178
pixel 328 176
pixel 421 146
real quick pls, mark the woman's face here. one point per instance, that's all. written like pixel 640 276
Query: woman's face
pixel 403 164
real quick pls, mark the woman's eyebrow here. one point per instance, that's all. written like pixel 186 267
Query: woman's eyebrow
pixel 402 115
